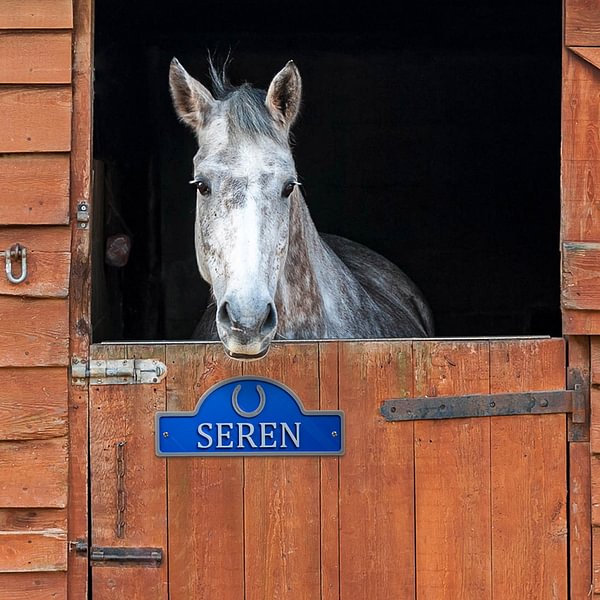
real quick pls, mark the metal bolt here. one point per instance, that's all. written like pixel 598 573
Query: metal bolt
pixel 165 434
pixel 544 402
pixel 334 433
pixel 492 404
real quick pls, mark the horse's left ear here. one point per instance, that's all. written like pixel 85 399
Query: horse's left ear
pixel 284 94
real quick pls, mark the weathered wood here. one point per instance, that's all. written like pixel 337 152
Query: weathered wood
pixel 36 14
pixel 34 332
pixel 582 23
pixel 281 511
pixel 33 586
pixel 596 559
pixel 80 293
pixel 330 480
pixel 32 519
pixel 529 476
pixel 452 477
pixel 34 189
pixel 33 403
pixel 33 473
pixel 592 55
pixel 35 119
pixel 33 551
pixel 125 414
pixel 580 322
pixel 376 478
pixel 206 504
pixel 35 57
pixel 581 275
pixel 595 400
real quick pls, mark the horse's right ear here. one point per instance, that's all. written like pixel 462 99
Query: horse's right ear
pixel 192 101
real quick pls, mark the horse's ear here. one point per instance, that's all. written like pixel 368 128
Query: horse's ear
pixel 284 94
pixel 192 101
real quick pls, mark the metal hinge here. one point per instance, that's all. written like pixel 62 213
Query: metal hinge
pixel 573 401
pixel 118 371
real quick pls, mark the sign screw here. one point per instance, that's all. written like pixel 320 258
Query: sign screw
pixel 334 433
pixel 165 434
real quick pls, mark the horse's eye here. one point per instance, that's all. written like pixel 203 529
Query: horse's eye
pixel 201 186
pixel 288 189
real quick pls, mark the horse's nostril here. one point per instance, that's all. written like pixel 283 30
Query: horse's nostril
pixel 223 315
pixel 270 321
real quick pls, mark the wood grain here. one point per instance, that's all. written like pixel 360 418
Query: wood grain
pixel 34 332
pixel 33 586
pixel 580 322
pixel 206 502
pixel 33 551
pixel 282 512
pixel 376 478
pixel 36 14
pixel 596 559
pixel 582 23
pixel 47 276
pixel 35 57
pixel 33 473
pixel 590 54
pixel 33 403
pixel 34 189
pixel 32 519
pixel 35 119
pixel 580 275
pixel 121 413
pixel 452 477
pixel 529 476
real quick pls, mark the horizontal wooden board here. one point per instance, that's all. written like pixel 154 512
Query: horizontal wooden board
pixel 34 473
pixel 37 239
pixel 47 276
pixel 39 57
pixel 33 586
pixel 581 276
pixel 34 332
pixel 580 322
pixel 36 14
pixel 33 403
pixel 582 23
pixel 33 551
pixel 32 519
pixel 591 55
pixel 35 119
pixel 34 189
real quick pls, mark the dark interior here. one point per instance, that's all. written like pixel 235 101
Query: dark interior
pixel 429 132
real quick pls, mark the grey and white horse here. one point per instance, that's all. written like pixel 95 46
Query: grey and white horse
pixel 272 274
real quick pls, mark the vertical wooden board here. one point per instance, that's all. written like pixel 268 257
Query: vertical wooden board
pixel 582 23
pixel 580 520
pixel 452 477
pixel 125 413
pixel 33 586
pixel 596 559
pixel 595 397
pixel 281 503
pixel 35 57
pixel 376 509
pixel 205 496
pixel 330 480
pixel 34 332
pixel 33 403
pixel 34 189
pixel 36 14
pixel 47 460
pixel 529 476
pixel 35 119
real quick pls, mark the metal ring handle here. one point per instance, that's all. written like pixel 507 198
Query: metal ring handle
pixel 14 253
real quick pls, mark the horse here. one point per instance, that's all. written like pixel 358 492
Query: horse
pixel 272 274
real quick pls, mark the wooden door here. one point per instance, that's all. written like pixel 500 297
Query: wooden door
pixel 462 508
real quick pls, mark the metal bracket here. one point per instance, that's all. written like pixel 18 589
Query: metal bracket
pixel 118 371
pixel 151 557
pixel 83 214
pixel 17 252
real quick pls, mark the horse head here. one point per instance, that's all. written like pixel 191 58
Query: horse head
pixel 246 180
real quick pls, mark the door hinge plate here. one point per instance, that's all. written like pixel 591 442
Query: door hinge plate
pixel 117 371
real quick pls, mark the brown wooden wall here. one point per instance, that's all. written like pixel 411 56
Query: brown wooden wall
pixel 38 153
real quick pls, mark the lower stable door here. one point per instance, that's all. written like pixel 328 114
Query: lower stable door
pixel 456 508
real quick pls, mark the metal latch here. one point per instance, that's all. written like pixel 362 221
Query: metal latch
pixel 16 253
pixel 151 557
pixel 572 401
pixel 83 214
pixel 117 371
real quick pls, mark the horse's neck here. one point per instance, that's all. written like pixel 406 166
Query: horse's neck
pixel 310 284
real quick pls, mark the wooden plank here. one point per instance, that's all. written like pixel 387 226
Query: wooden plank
pixel 206 503
pixel 580 192
pixel 33 586
pixel 580 322
pixel 33 473
pixel 595 405
pixel 376 476
pixel 36 14
pixel 123 413
pixel 580 275
pixel 34 332
pixel 582 23
pixel 33 551
pixel 529 476
pixel 30 519
pixel 596 559
pixel 330 479
pixel 591 55
pixel 33 403
pixel 452 477
pixel 281 512
pixel 35 119
pixel 80 294
pixel 37 239
pixel 34 189
pixel 35 57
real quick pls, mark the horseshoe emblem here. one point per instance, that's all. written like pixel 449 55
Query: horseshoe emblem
pixel 243 413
